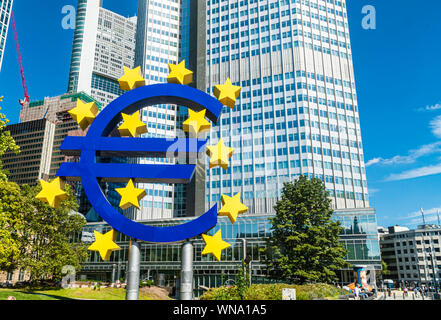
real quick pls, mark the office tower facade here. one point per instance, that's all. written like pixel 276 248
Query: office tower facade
pixel 169 32
pixel 33 163
pixel 5 10
pixel 297 113
pixel 104 42
pixel 157 46
pixel 413 257
pixel 54 111
pixel 298 110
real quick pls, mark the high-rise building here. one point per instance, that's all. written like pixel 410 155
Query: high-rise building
pixel 5 10
pixel 298 109
pixel 297 114
pixel 50 114
pixel 169 32
pixel 157 46
pixel 54 112
pixel 33 163
pixel 55 109
pixel 104 42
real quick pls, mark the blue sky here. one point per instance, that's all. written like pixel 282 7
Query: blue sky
pixel 397 68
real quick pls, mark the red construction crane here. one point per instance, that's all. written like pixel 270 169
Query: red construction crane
pixel 20 63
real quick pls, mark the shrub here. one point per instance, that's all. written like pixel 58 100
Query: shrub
pixel 222 293
pixel 147 283
pixel 274 292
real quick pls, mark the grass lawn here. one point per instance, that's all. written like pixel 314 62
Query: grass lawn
pixel 23 295
pixel 75 293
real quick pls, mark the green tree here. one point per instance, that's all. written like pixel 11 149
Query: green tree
pixel 242 281
pixel 10 204
pixel 305 244
pixel 11 225
pixel 47 239
pixel 384 268
pixel 7 143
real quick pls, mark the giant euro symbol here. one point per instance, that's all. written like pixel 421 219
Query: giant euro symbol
pixel 98 143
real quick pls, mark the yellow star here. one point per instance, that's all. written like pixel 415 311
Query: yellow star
pixel 131 79
pixel 132 126
pixel 214 245
pixel 52 192
pixel 130 196
pixel 179 75
pixel 231 207
pixel 84 113
pixel 227 93
pixel 1 99
pixel 219 155
pixel 196 122
pixel 105 244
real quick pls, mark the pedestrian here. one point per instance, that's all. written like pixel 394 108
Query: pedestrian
pixel 357 291
pixel 405 291
pixel 389 291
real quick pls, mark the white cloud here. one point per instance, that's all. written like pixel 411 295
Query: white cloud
pixel 413 155
pixel 416 173
pixel 435 125
pixel 431 108
pixel 373 161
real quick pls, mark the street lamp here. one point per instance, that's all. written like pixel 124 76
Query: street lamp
pixel 246 259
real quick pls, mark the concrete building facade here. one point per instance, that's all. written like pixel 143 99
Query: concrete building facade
pixel 33 163
pixel 104 42
pixel 45 124
pixel 413 256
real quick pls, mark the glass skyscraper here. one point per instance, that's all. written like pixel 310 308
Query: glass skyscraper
pixel 167 34
pixel 298 110
pixel 5 10
pixel 104 43
pixel 157 46
pixel 297 114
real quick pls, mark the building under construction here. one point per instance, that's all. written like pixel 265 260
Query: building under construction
pixel 45 124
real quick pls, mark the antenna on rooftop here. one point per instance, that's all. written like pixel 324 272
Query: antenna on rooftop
pixel 439 224
pixel 424 220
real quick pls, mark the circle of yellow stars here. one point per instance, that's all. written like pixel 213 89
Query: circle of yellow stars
pixel 85 113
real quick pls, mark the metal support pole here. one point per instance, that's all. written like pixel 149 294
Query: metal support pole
pixel 132 291
pixel 118 273
pixel 186 287
pixel 113 273
pixel 251 273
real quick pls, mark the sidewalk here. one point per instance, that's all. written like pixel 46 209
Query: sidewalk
pixel 399 295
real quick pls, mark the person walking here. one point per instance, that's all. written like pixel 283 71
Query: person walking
pixel 357 291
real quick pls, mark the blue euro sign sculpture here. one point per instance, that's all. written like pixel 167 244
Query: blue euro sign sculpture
pixel 97 143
